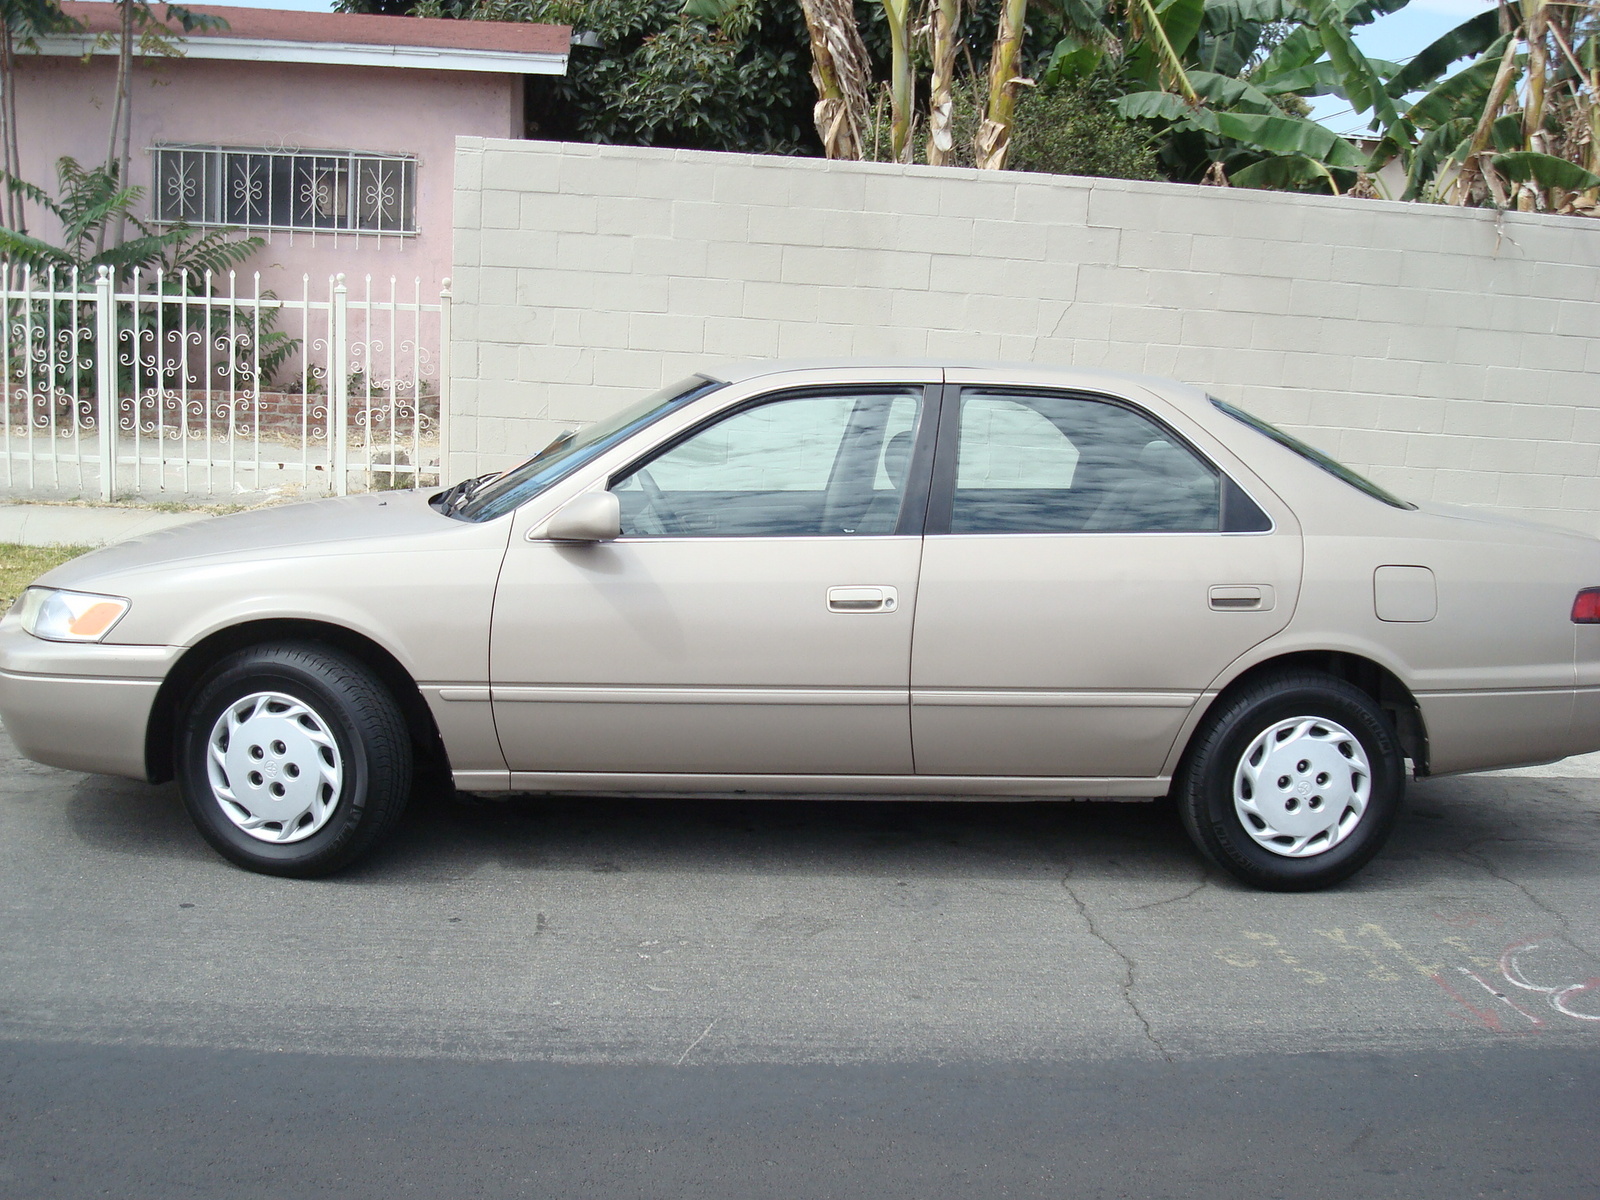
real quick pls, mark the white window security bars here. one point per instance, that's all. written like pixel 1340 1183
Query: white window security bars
pixel 170 385
pixel 258 188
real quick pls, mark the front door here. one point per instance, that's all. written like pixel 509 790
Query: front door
pixel 754 617
pixel 1078 592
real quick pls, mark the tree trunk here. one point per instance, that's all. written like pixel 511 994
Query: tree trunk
pixel 121 117
pixel 840 71
pixel 941 106
pixel 1533 135
pixel 9 151
pixel 1470 165
pixel 898 13
pixel 994 136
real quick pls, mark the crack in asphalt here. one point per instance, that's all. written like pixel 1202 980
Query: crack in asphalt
pixel 1470 854
pixel 1128 967
pixel 1205 882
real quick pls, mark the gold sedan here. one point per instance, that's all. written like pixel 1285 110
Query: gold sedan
pixel 847 579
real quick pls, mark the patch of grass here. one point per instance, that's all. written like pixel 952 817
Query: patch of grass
pixel 21 565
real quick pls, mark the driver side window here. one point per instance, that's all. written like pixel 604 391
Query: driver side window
pixel 831 464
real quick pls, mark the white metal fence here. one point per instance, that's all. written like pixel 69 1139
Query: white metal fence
pixel 179 386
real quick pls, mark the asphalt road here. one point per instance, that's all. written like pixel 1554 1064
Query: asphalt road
pixel 752 999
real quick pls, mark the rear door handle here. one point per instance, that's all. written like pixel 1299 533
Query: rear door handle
pixel 862 599
pixel 1241 598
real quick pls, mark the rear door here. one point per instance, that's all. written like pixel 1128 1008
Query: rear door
pixel 1078 590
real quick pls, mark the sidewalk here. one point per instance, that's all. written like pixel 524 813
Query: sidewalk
pixel 82 524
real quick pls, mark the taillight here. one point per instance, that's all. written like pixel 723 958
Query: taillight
pixel 1586 608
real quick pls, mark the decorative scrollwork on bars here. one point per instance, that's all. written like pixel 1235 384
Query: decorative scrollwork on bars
pixel 250 189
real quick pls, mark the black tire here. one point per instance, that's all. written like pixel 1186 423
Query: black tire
pixel 1204 788
pixel 370 749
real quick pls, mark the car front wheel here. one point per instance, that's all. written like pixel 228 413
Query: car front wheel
pixel 1294 783
pixel 293 759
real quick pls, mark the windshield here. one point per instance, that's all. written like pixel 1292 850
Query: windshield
pixel 574 448
pixel 1337 469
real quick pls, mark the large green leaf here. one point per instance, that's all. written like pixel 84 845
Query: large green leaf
pixel 1300 49
pixel 1222 91
pixel 1505 135
pixel 1362 85
pixel 1222 15
pixel 1364 12
pixel 1227 53
pixel 1084 16
pixel 1284 172
pixel 1155 60
pixel 1075 57
pixel 1471 37
pixel 1291 135
pixel 1318 79
pixel 1462 93
pixel 1151 106
pixel 1180 19
pixel 1546 170
pixel 1438 146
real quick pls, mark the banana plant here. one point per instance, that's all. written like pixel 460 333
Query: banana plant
pixel 1005 78
pixel 841 73
pixel 901 82
pixel 943 39
pixel 1241 121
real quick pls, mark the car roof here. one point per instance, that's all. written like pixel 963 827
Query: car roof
pixel 741 371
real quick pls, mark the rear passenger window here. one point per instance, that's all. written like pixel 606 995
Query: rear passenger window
pixel 1051 463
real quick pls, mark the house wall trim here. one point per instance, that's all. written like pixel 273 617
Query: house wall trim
pixel 349 54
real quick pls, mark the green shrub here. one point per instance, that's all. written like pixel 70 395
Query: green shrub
pixel 1065 131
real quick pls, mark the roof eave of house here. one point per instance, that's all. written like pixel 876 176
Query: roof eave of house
pixel 498 62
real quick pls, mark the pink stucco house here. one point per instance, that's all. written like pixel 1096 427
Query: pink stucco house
pixel 331 135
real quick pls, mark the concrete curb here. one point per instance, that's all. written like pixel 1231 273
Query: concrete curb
pixel 83 525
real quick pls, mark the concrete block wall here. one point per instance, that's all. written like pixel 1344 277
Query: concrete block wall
pixel 1451 354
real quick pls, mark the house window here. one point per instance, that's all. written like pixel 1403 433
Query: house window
pixel 333 190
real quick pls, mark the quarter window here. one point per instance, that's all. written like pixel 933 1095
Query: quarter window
pixel 261 188
pixel 1050 463
pixel 805 465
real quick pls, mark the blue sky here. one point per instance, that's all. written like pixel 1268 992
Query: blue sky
pixel 1396 37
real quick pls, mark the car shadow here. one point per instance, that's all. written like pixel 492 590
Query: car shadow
pixel 925 839
pixel 1446 828
pixel 124 816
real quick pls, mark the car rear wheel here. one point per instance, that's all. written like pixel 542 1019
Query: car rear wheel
pixel 1293 784
pixel 293 759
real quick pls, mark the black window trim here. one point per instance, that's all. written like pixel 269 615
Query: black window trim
pixel 941 501
pixel 1309 453
pixel 913 499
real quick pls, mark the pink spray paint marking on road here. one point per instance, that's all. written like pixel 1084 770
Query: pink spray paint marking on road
pixel 1488 1019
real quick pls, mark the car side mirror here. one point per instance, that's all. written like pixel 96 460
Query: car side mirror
pixel 592 517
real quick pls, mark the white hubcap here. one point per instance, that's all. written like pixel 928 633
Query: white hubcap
pixel 274 767
pixel 1302 786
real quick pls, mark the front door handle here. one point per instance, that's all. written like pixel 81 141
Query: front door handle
pixel 1241 598
pixel 861 599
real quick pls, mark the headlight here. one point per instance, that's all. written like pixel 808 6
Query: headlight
pixel 59 616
